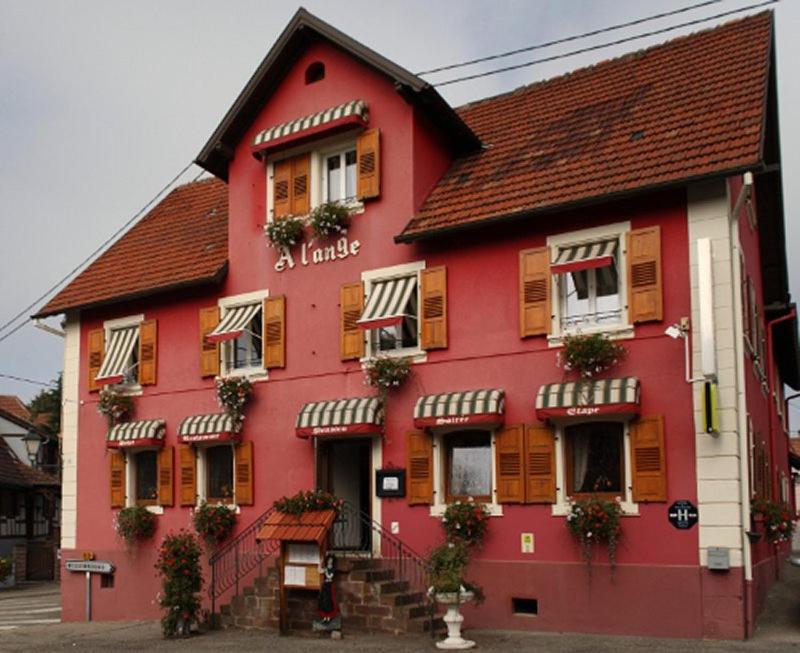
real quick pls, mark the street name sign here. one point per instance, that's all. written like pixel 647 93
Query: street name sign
pixel 91 566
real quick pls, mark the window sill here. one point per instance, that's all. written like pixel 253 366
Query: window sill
pixel 230 506
pixel 495 509
pixel 252 374
pixel 416 355
pixel 128 390
pixel 156 510
pixel 629 509
pixel 617 332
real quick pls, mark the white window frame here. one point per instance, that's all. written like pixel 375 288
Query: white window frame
pixel 561 507
pixel 122 323
pixel 341 149
pixel 200 452
pixel 130 479
pixel 555 242
pixel 439 435
pixel 254 373
pixel 370 277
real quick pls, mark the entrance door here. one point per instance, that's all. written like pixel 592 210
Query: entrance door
pixel 343 469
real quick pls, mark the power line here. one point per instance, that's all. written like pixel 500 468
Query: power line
pixel 569 39
pixel 606 45
pixel 100 248
pixel 49 384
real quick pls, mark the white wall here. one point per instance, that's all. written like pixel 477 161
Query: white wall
pixel 69 433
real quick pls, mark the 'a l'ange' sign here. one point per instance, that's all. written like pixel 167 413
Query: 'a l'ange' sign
pixel 315 254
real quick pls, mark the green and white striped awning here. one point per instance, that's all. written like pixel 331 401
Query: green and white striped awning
pixel 355 108
pixel 144 433
pixel 234 323
pixel 588 398
pixel 118 354
pixel 387 302
pixel 584 257
pixel 455 408
pixel 352 416
pixel 207 428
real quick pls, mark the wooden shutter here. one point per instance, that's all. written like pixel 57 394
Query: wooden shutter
pixel 165 476
pixel 419 452
pixel 644 275
pixel 187 464
pixel 209 351
pixel 368 154
pixel 301 185
pixel 351 305
pixel 275 332
pixel 147 352
pixel 648 460
pixel 244 474
pixel 540 464
pixel 116 478
pixel 281 188
pixel 510 463
pixel 96 346
pixel 433 318
pixel 535 315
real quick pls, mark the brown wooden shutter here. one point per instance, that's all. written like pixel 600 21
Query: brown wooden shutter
pixel 281 188
pixel 209 351
pixel 433 312
pixel 510 464
pixel 368 154
pixel 244 474
pixel 165 476
pixel 644 275
pixel 540 464
pixel 275 332
pixel 96 346
pixel 116 478
pixel 148 352
pixel 351 305
pixel 301 185
pixel 419 453
pixel 648 460
pixel 187 464
pixel 535 314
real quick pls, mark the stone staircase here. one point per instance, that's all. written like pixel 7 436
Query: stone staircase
pixel 371 599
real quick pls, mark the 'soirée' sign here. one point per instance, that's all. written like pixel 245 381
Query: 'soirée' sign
pixel 311 253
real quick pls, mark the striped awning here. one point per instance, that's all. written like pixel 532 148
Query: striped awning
pixel 118 355
pixel 354 110
pixel 207 428
pixel 387 302
pixel 233 324
pixel 585 257
pixel 340 417
pixel 588 398
pixel 144 433
pixel 456 408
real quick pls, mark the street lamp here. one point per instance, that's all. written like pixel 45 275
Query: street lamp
pixel 32 444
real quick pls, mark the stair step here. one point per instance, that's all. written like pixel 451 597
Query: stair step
pixel 392 586
pixel 372 575
pixel 402 598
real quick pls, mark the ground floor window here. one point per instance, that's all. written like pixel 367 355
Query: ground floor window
pixel 145 476
pixel 219 474
pixel 595 459
pixel 468 466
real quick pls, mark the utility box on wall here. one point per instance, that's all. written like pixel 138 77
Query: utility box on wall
pixel 719 558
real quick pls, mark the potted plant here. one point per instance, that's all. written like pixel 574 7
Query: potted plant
pixel 589 355
pixel 213 523
pixel 594 522
pixel 114 406
pixel 233 394
pixel 308 501
pixel 135 523
pixel 386 373
pixel 181 581
pixel 777 518
pixel 330 218
pixel 285 233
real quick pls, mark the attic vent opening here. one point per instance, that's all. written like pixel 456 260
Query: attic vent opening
pixel 315 72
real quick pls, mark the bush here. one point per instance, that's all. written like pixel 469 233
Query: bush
pixel 214 523
pixel 285 233
pixel 178 566
pixel 308 501
pixel 5 568
pixel 594 521
pixel 466 522
pixel 328 219
pixel 135 523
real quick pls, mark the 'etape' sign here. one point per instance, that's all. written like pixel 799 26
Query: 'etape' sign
pixel 682 514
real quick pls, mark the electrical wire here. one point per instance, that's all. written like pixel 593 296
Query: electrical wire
pixel 605 45
pixel 50 384
pixel 568 39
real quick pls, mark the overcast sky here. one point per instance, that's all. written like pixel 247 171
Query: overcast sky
pixel 103 102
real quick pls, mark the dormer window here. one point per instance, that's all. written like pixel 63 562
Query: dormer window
pixel 315 72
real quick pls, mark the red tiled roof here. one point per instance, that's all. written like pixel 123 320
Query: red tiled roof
pixel 308 527
pixel 182 241
pixel 11 474
pixel 685 109
pixel 13 405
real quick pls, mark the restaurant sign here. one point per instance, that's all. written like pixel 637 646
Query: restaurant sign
pixel 309 253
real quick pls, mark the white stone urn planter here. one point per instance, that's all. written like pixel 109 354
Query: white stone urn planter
pixel 453 618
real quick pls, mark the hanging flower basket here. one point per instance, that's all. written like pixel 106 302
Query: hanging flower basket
pixel 233 394
pixel 116 407
pixel 466 522
pixel 308 501
pixel 387 373
pixel 135 523
pixel 285 233
pixel 329 219
pixel 214 523
pixel 595 522
pixel 778 520
pixel 590 355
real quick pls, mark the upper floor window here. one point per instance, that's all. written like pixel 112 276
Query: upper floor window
pixel 340 176
pixel 245 351
pixel 123 354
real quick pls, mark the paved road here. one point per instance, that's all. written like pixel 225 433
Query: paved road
pixel 33 604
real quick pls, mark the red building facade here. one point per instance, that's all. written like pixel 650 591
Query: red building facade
pixel 479 238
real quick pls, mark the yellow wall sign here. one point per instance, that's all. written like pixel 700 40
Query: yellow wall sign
pixel 87 555
pixel 527 543
pixel 708 401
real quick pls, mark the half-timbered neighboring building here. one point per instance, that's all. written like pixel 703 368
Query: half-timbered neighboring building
pixel 640 197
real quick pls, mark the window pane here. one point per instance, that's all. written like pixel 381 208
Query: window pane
pixel 350 174
pixel 576 297
pixel 470 462
pixel 219 461
pixel 246 350
pixel 146 476
pixel 334 178
pixel 596 457
pixel 131 374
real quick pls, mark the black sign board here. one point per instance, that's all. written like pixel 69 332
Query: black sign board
pixel 390 483
pixel 682 514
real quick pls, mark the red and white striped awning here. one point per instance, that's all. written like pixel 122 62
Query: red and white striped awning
pixel 588 398
pixel 218 427
pixel 144 433
pixel 386 305
pixel 357 415
pixel 584 257
pixel 234 323
pixel 116 361
pixel 457 408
